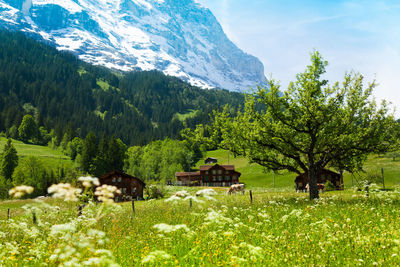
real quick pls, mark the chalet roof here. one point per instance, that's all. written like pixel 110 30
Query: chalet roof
pixel 208 167
pixel 122 174
pixel 180 174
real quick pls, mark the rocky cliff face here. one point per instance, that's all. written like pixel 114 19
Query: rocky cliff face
pixel 179 37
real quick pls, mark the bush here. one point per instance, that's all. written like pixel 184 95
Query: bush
pixel 329 186
pixel 371 178
pixel 154 191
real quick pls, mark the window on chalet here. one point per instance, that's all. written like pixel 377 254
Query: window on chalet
pixel 227 178
pixel 214 172
pixel 206 172
pixel 219 171
pixel 114 180
pixel 123 190
pixel 119 179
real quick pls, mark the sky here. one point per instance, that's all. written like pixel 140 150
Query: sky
pixel 352 35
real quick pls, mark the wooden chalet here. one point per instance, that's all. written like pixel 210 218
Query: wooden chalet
pixel 210 160
pixel 209 175
pixel 131 187
pixel 324 176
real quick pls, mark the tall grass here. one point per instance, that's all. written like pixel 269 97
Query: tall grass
pixel 278 228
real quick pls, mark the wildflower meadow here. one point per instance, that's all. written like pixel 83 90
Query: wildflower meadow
pixel 210 228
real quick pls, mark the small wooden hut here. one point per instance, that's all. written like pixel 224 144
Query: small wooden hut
pixel 131 187
pixel 324 176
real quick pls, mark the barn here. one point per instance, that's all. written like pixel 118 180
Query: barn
pixel 131 187
pixel 325 175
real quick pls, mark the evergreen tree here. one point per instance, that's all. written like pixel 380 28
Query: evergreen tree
pixel 9 160
pixel 89 151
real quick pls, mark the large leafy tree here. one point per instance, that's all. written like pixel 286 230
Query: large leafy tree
pixel 28 128
pixel 310 126
pixel 8 161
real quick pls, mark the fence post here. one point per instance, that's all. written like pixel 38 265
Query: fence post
pixel 8 213
pixel 251 196
pixel 190 202
pixel 133 206
pixel 383 179
pixel 34 219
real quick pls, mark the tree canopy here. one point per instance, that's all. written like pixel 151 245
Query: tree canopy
pixel 310 126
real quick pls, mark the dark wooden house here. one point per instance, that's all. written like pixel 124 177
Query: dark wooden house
pixel 325 175
pixel 210 175
pixel 131 187
pixel 210 160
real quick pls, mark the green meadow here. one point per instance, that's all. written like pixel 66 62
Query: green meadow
pixel 343 228
pixel 51 158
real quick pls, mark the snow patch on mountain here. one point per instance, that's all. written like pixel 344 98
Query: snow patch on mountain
pixel 179 37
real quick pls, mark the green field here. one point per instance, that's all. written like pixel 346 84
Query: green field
pixel 254 175
pixel 343 228
pixel 51 158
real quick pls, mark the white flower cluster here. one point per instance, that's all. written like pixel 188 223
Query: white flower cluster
pixel 206 192
pixel 185 196
pixel 89 181
pixel 20 191
pixel 166 228
pixel 64 191
pixel 106 193
pixel 155 257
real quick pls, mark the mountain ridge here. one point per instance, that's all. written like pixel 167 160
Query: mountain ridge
pixel 180 38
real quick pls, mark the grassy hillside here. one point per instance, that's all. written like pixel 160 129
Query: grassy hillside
pixel 255 176
pixel 51 158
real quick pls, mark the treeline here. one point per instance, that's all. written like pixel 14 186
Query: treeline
pixel 160 160
pixel 65 95
pixel 156 162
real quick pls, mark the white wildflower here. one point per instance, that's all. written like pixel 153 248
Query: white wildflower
pixel 20 191
pixel 105 193
pixel 155 256
pixel 166 228
pixel 65 191
pixel 62 229
pixel 206 192
pixel 173 199
pixel 182 194
pixel 216 217
pixel 194 199
pixel 238 260
pixel 89 181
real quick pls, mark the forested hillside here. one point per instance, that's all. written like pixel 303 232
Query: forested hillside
pixel 66 95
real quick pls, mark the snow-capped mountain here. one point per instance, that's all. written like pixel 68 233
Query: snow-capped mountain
pixel 179 37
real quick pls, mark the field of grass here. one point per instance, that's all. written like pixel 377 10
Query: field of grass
pixel 255 176
pixel 51 158
pixel 188 114
pixel 343 228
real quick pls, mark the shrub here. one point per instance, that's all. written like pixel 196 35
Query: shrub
pixel 154 191
pixel 329 186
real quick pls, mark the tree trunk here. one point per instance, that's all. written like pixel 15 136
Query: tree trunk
pixel 312 178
